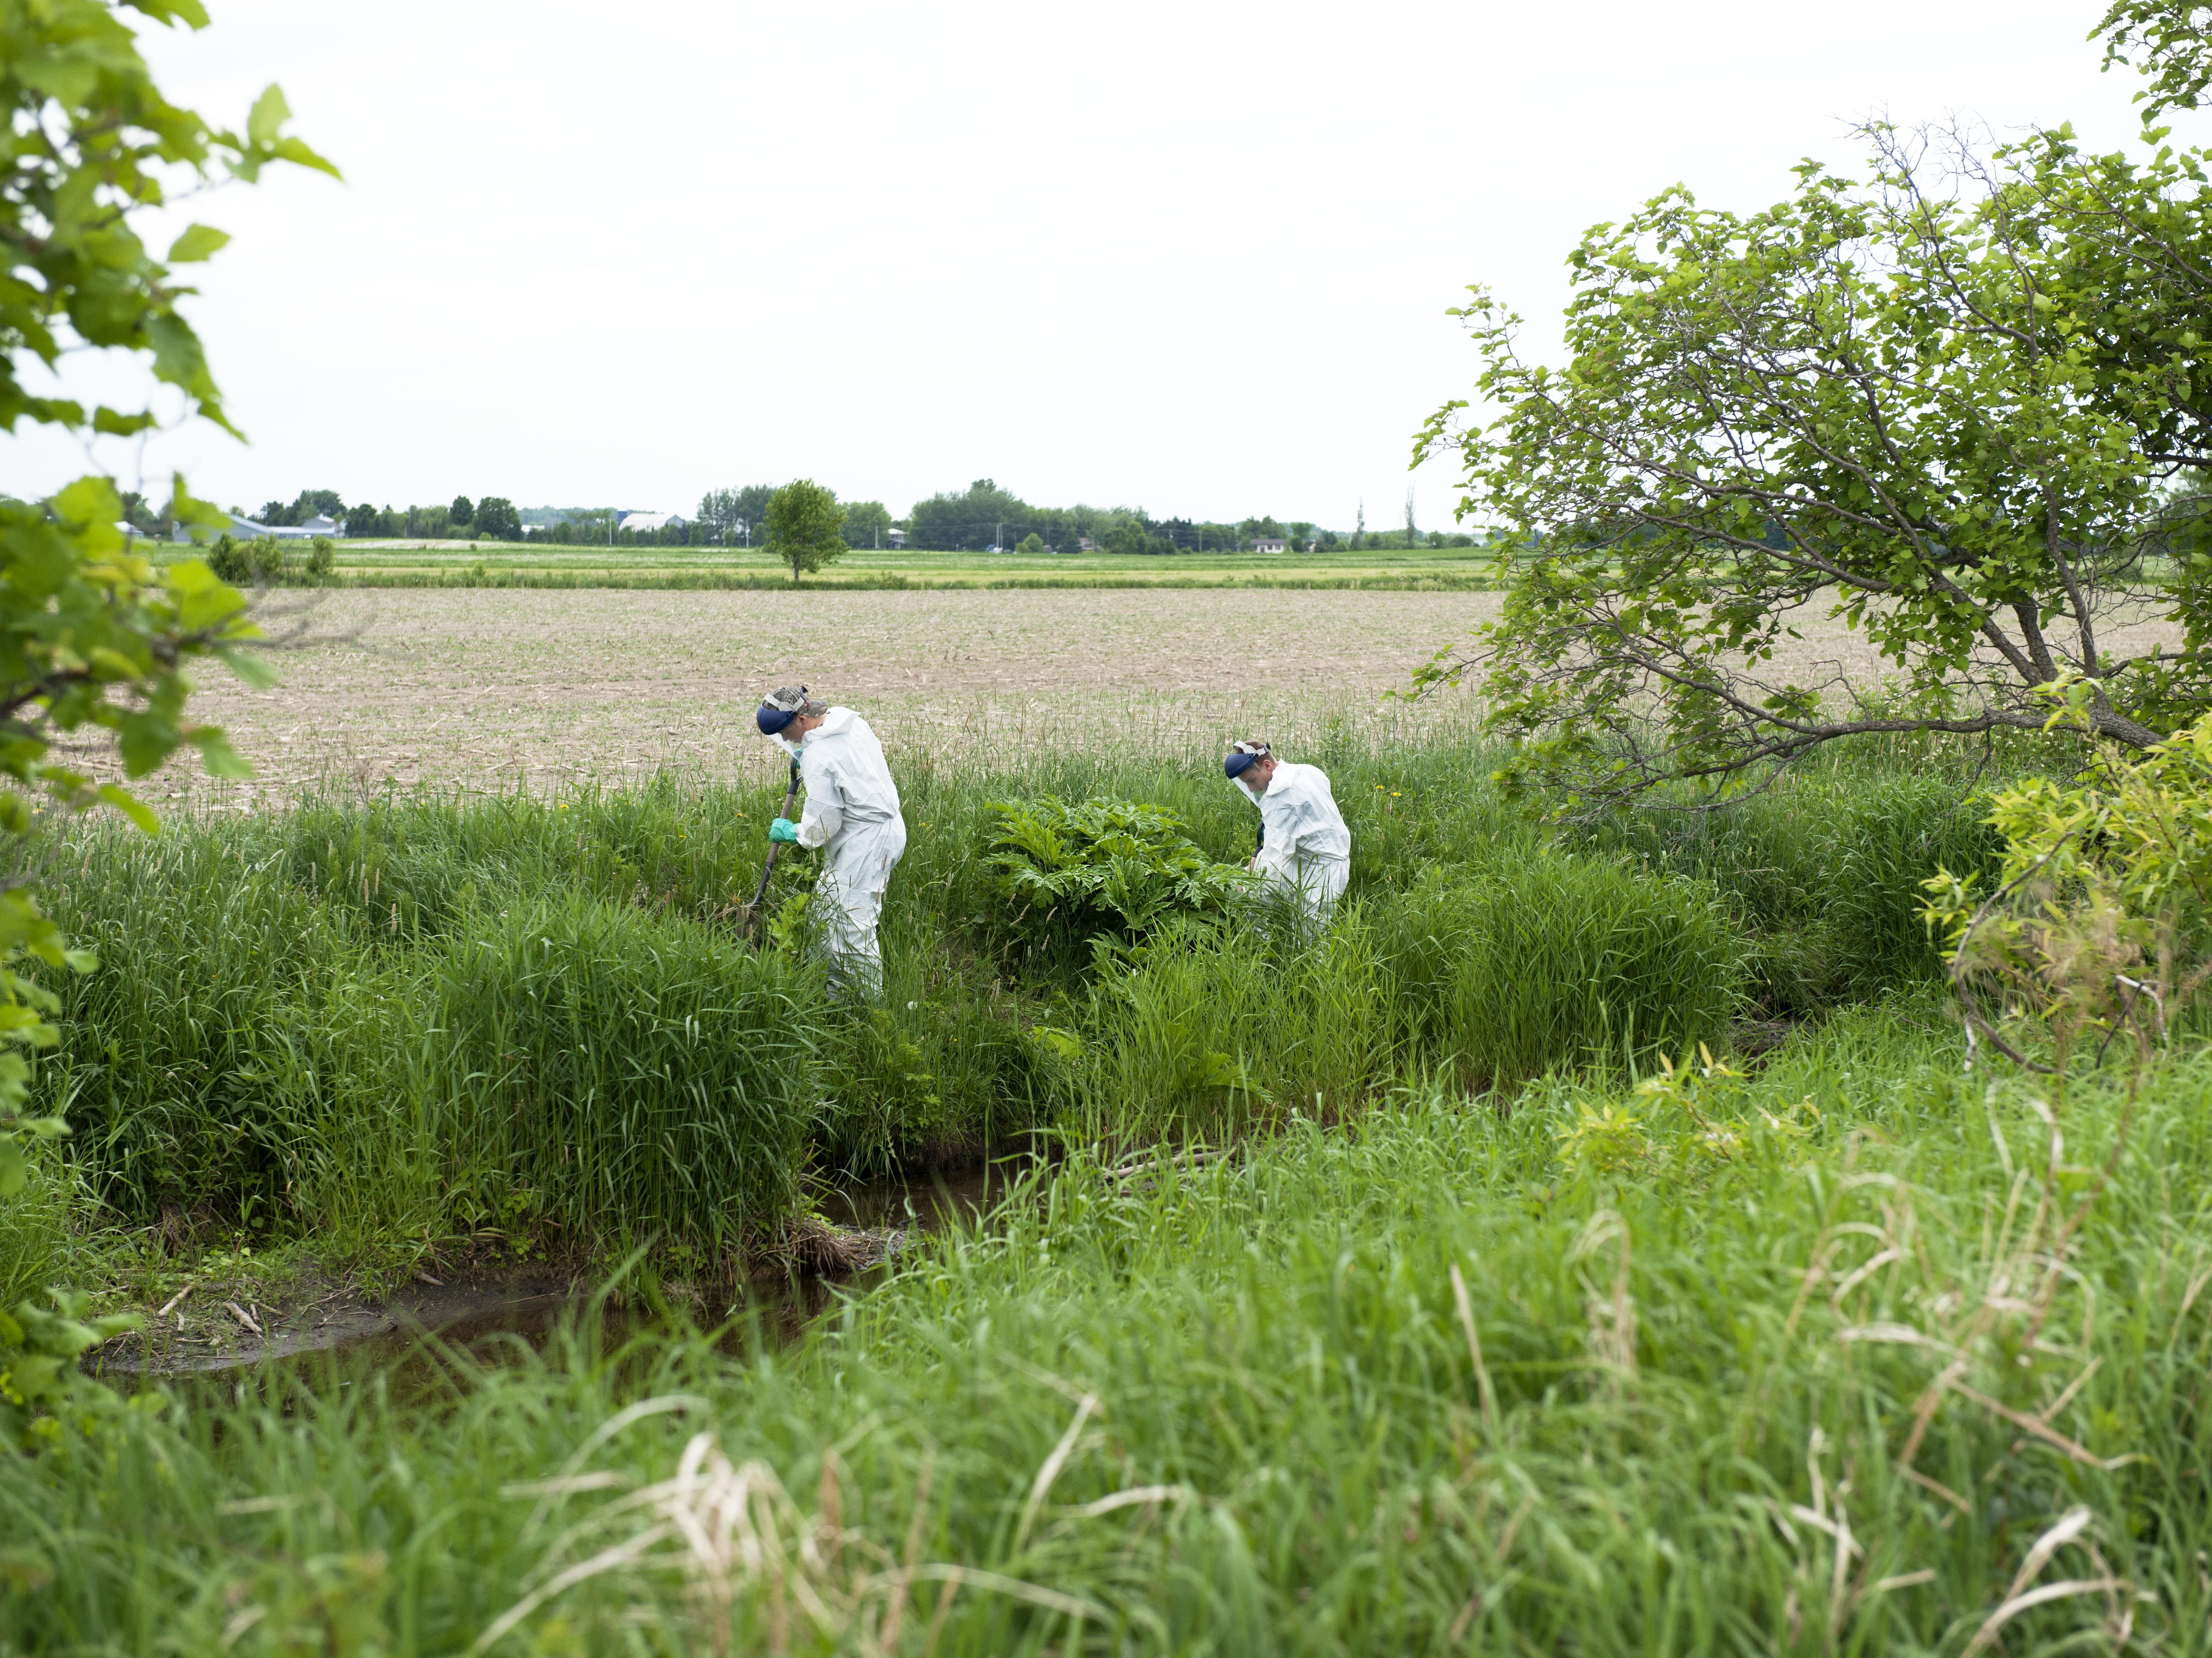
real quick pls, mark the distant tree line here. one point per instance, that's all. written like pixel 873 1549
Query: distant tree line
pixel 981 517
pixel 492 518
pixel 738 518
pixel 985 516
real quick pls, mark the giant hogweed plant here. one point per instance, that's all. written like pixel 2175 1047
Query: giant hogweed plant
pixel 1111 871
pixel 94 639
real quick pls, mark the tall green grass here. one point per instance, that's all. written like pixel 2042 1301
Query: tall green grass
pixel 426 1021
pixel 1856 1356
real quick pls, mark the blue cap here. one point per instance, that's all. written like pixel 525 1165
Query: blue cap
pixel 772 719
pixel 1243 758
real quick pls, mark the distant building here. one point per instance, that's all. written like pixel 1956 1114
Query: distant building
pixel 896 537
pixel 245 529
pixel 322 525
pixel 1086 545
pixel 1270 544
pixel 650 523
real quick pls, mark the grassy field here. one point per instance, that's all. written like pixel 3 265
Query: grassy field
pixel 462 563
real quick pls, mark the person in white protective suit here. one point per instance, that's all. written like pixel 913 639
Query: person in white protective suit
pixel 1305 847
pixel 852 814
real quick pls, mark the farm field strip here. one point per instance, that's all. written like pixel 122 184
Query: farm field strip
pixel 495 688
pixel 498 688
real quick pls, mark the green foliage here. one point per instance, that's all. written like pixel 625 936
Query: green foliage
pixel 1942 415
pixel 1074 869
pixel 497 519
pixel 1935 463
pixel 2099 914
pixel 868 524
pixel 463 512
pixel 1822 874
pixel 271 1042
pixel 2167 39
pixel 43 1394
pixel 804 521
pixel 94 641
pixel 93 142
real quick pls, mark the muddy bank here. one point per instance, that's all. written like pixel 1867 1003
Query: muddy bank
pixel 211 1324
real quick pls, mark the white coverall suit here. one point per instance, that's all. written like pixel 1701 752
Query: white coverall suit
pixel 1305 847
pixel 852 811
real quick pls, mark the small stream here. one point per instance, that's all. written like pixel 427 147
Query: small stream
pixel 530 1301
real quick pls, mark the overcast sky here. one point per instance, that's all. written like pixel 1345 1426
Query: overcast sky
pixel 1194 257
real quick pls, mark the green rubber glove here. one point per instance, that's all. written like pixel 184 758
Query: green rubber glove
pixel 783 829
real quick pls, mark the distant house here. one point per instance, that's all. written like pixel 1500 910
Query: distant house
pixel 650 523
pixel 896 537
pixel 1270 544
pixel 322 525
pixel 1086 545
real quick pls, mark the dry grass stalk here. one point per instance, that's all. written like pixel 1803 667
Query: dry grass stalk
pixel 749 1557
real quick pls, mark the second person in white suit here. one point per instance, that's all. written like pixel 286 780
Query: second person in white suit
pixel 1305 848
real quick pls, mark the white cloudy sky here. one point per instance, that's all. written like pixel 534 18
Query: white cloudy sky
pixel 1190 255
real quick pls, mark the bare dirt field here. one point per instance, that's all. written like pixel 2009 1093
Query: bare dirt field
pixel 494 688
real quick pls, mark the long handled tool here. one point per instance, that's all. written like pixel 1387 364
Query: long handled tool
pixel 749 915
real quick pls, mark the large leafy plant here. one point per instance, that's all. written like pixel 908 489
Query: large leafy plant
pixel 94 639
pixel 1102 868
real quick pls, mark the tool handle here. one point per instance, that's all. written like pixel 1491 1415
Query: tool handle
pixel 774 846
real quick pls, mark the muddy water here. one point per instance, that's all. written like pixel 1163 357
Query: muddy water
pixel 486 1313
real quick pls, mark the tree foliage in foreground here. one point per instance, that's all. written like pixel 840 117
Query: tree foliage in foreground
pixel 95 641
pixel 1951 406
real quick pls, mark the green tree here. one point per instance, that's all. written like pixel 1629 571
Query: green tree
pixel 752 509
pixel 497 519
pixel 803 520
pixel 94 642
pixel 867 523
pixel 1939 415
pixel 463 512
pixel 717 514
pixel 367 519
pixel 972 520
pixel 2169 40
